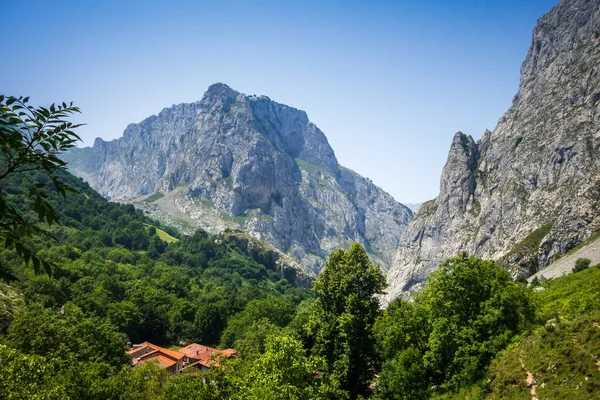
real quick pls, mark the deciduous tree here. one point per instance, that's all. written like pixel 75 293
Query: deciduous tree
pixel 345 312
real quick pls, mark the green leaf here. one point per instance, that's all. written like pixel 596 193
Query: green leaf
pixel 41 212
pixel 36 264
pixel 47 266
pixel 19 248
pixel 26 255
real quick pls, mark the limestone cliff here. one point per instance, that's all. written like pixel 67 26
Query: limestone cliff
pixel 249 163
pixel 530 189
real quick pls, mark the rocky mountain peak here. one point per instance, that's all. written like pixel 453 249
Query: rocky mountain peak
pixel 219 94
pixel 220 88
pixel 249 163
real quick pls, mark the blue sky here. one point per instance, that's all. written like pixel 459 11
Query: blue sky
pixel 388 82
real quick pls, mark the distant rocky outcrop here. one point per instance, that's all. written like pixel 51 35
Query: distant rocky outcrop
pixel 529 190
pixel 414 207
pixel 249 163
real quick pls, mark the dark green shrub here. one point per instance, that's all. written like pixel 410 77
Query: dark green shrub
pixel 581 264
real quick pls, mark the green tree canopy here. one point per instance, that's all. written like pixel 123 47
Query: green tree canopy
pixel 468 311
pixel 344 315
pixel 473 309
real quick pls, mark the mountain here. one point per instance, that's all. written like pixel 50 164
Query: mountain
pixel 249 163
pixel 529 190
pixel 414 207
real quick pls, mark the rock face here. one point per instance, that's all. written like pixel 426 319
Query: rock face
pixel 249 163
pixel 531 189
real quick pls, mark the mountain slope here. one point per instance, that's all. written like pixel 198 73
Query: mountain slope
pixel 245 162
pixel 589 249
pixel 531 189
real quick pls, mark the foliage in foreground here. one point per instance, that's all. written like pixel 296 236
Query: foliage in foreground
pixel 31 139
pixel 115 279
pixel 469 310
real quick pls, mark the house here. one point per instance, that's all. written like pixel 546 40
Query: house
pixel 194 356
pixel 204 357
pixel 170 360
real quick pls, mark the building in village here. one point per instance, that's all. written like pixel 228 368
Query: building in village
pixel 194 356
pixel 204 357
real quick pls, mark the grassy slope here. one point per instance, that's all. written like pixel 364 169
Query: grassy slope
pixel 164 235
pixel 571 296
pixel 557 361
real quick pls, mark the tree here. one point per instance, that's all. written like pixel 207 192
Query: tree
pixel 283 372
pixel 157 246
pixel 345 312
pixel 473 309
pixel 403 377
pixel 273 310
pixel 69 336
pixel 191 386
pixel 468 311
pixel 210 321
pixel 251 343
pixel 581 264
pixel 402 325
pixel 30 140
pixel 24 376
pixel 126 317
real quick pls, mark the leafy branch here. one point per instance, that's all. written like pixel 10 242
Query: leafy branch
pixel 31 138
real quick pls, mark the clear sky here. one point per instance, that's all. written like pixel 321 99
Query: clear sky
pixel 388 82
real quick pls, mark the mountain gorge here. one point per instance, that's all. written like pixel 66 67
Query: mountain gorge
pixel 181 261
pixel 249 163
pixel 530 190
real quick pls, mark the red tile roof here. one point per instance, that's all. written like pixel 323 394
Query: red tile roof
pixel 171 353
pixel 163 362
pixel 206 355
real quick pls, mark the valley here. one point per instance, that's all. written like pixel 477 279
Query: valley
pixel 218 250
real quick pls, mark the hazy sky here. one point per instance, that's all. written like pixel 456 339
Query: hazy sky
pixel 388 82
